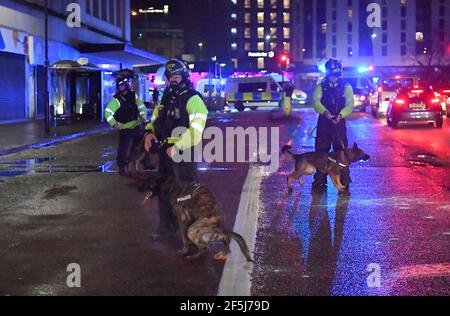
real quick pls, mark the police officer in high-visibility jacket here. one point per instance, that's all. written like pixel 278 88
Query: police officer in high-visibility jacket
pixel 125 112
pixel 333 101
pixel 181 106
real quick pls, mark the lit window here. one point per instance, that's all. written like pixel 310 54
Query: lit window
pixel 261 17
pixel 350 13
pixel 419 36
pixel 247 18
pixel 247 4
pixel 261 63
pixel 273 4
pixel 233 30
pixel 247 46
pixel 273 32
pixel 286 47
pixel 273 17
pixel 287 4
pixel 286 32
pixel 234 46
pixel 234 1
pixel 261 46
pixel 260 4
pixel 235 62
pixel 247 32
pixel 273 45
pixel 403 2
pixel 234 16
pixel 260 32
pixel 286 17
pixel 324 27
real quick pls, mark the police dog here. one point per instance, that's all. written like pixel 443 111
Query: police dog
pixel 330 163
pixel 199 216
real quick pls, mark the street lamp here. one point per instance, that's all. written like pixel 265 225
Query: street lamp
pixel 46 64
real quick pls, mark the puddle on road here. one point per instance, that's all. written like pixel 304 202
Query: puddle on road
pixel 58 191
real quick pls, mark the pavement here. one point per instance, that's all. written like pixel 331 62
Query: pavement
pixel 66 204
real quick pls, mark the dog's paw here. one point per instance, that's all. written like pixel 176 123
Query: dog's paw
pixel 220 256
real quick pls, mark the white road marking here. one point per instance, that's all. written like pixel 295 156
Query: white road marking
pixel 236 279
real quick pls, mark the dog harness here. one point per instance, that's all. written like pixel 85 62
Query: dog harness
pixel 189 196
pixel 339 163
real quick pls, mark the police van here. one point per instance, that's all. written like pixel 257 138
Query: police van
pixel 212 92
pixel 253 92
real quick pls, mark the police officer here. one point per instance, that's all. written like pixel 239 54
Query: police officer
pixel 125 112
pixel 333 101
pixel 181 106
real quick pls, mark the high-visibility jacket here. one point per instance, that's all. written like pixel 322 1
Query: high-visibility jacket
pixel 125 112
pixel 336 97
pixel 191 113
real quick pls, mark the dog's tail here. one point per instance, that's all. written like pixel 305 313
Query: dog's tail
pixel 286 150
pixel 241 242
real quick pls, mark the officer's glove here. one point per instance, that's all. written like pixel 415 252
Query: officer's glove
pixel 328 115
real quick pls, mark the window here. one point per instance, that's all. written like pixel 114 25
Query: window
pixel 403 2
pixel 286 47
pixel 273 45
pixel 350 13
pixel 334 15
pixel 286 32
pixel 403 24
pixel 88 7
pixel 273 32
pixel 333 4
pixel 403 11
pixel 260 32
pixel 234 46
pixel 112 11
pixel 333 40
pixel 287 4
pixel 261 4
pixel 384 51
pixel 403 37
pixel 286 17
pixel 273 4
pixel 260 46
pixel 247 32
pixel 441 37
pixel 233 30
pixel 334 52
pixel 442 24
pixel 349 39
pixel 323 28
pixel 247 18
pixel 334 28
pixel 350 3
pixel 349 52
pixel 403 50
pixel 273 18
pixel 419 36
pixel 261 17
pixel 234 16
pixel 247 46
pixel 119 13
pixel 384 12
pixel 384 38
pixel 96 8
pixel 384 25
pixel 442 11
pixel 261 63
pixel 104 10
pixel 349 27
pixel 252 86
pixel 247 4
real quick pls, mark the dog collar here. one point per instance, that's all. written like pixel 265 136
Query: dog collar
pixel 335 161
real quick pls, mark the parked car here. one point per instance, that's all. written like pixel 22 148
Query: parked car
pixel 414 105
pixel 443 93
pixel 362 99
pixel 253 92
pixel 299 97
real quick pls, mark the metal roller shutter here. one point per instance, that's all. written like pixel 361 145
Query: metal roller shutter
pixel 12 86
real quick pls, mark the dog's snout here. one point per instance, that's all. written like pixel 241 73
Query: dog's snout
pixel 366 157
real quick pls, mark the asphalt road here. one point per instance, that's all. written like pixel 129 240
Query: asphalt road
pixel 66 204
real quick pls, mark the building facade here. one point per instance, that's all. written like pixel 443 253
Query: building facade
pixel 412 32
pixel 81 58
pixel 261 30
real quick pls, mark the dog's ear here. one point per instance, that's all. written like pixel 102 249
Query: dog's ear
pixel 355 146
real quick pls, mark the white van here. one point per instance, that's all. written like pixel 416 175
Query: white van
pixel 253 92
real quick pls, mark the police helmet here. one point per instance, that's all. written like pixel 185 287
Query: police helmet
pixel 333 67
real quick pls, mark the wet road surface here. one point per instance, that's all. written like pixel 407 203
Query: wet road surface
pixel 66 204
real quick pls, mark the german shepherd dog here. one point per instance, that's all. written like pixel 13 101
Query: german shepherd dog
pixel 199 216
pixel 330 163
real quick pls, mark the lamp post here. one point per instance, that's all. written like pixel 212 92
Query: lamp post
pixel 46 64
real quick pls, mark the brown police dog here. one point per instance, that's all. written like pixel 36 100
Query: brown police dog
pixel 199 216
pixel 330 163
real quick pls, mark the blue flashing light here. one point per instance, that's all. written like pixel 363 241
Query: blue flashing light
pixel 363 69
